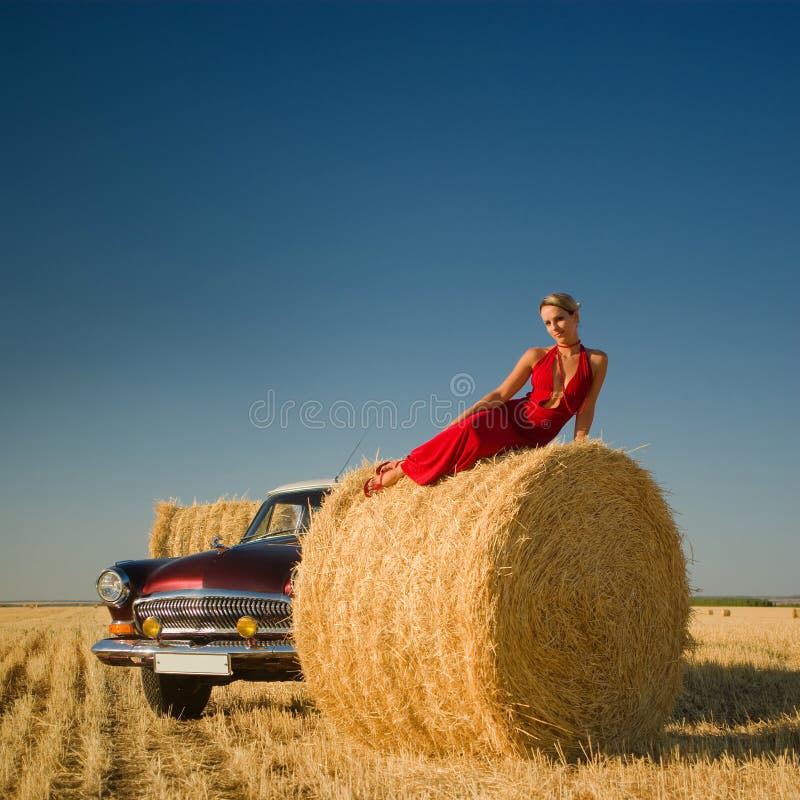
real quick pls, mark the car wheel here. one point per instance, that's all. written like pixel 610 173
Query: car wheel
pixel 180 696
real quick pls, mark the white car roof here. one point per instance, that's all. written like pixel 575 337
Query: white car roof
pixel 322 483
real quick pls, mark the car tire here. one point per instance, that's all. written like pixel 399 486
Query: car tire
pixel 179 696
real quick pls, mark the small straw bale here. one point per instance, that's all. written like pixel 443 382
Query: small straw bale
pixel 536 601
pixel 181 530
pixel 795 615
pixel 726 612
pixel 711 611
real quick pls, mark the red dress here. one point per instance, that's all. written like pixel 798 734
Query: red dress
pixel 515 425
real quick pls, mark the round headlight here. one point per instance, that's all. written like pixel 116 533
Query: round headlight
pixel 112 586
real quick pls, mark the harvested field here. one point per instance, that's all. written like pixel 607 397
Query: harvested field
pixel 73 728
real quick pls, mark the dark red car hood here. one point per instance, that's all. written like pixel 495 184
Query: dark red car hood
pixel 256 567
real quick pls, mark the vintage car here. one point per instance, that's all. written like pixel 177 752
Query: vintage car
pixel 210 618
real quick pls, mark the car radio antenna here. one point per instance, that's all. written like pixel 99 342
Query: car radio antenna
pixel 352 452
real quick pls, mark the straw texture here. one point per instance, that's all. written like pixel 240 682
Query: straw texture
pixel 181 530
pixel 537 600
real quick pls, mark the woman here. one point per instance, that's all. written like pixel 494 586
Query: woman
pixel 565 379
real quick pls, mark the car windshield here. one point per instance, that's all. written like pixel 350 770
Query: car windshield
pixel 285 518
pixel 283 515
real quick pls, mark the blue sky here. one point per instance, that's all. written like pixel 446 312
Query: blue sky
pixel 208 206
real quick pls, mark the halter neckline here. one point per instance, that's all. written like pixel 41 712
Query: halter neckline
pixel 560 368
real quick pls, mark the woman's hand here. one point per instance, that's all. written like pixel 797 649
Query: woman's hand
pixel 583 419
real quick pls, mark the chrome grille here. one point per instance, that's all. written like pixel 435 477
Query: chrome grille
pixel 232 643
pixel 214 615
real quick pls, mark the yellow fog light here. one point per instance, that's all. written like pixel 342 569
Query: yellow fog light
pixel 151 627
pixel 247 627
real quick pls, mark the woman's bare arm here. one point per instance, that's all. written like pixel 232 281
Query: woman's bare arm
pixel 508 388
pixel 584 417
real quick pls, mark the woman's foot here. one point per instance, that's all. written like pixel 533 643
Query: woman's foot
pixel 386 474
pixel 385 466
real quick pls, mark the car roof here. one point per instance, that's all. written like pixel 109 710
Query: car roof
pixel 322 483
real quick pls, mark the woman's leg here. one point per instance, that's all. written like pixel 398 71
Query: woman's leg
pixel 458 447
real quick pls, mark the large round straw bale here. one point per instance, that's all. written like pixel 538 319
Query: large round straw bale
pixel 538 600
pixel 181 530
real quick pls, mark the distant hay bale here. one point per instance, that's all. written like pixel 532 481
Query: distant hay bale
pixel 538 600
pixel 711 611
pixel 795 615
pixel 180 530
pixel 726 612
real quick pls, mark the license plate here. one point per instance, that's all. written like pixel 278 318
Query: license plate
pixel 193 663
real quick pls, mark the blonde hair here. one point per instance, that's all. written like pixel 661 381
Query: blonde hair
pixel 562 300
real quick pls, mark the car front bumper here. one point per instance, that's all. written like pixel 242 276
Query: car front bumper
pixel 268 660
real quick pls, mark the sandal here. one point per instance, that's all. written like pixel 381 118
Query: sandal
pixel 385 466
pixel 373 484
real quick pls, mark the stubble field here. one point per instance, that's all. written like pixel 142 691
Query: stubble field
pixel 73 728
